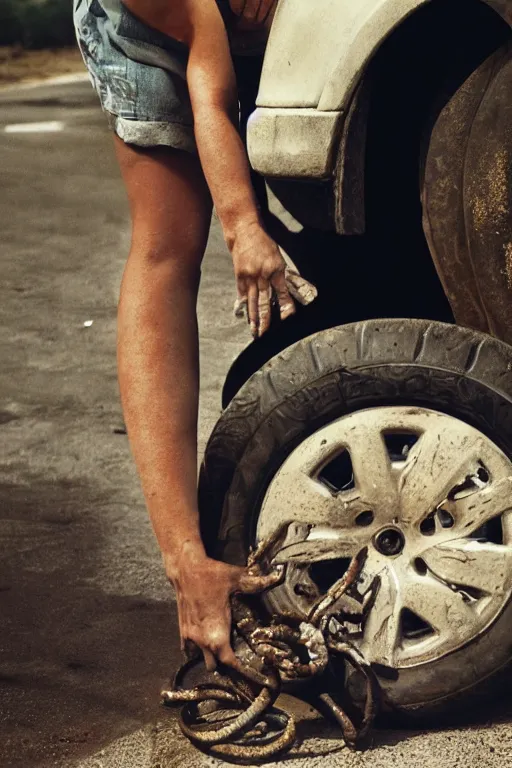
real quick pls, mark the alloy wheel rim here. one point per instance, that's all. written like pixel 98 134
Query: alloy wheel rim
pixel 430 497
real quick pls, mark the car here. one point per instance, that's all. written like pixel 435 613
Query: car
pixel 380 418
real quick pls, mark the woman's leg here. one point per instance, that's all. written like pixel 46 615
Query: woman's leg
pixel 159 381
pixel 157 331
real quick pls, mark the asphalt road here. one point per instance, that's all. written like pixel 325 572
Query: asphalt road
pixel 87 621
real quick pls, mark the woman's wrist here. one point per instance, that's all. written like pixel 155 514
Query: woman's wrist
pixel 242 234
pixel 188 553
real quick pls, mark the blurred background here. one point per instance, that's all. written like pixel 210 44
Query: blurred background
pixel 37 40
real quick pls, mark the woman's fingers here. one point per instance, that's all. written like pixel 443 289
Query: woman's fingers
pixel 213 642
pixel 210 661
pixel 258 304
pixel 255 296
pixel 244 581
pixel 227 656
pixel 285 301
pixel 264 309
pixel 253 584
pixel 252 306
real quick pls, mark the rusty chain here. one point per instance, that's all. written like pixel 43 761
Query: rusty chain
pixel 234 716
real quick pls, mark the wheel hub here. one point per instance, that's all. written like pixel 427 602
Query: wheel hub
pixel 390 542
pixel 431 499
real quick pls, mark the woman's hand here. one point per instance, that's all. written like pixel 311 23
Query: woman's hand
pixel 260 272
pixel 203 590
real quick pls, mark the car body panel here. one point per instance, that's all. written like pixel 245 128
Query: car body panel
pixel 316 55
pixel 310 43
pixel 281 145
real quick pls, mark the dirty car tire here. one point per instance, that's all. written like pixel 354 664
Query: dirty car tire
pixel 447 368
pixel 466 196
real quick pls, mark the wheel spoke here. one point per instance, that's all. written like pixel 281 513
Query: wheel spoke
pixel 506 523
pixel 382 629
pixel 437 462
pixel 472 511
pixel 295 496
pixel 373 473
pixel 315 544
pixel 467 563
pixel 439 606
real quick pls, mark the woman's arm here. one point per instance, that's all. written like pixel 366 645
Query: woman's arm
pixel 158 336
pixel 257 261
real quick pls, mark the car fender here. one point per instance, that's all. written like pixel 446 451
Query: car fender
pixel 317 51
pixel 316 56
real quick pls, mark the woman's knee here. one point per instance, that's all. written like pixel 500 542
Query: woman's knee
pixel 163 260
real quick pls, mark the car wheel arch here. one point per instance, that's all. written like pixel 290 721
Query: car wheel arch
pixel 352 170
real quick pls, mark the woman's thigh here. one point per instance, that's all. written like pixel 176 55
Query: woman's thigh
pixel 169 201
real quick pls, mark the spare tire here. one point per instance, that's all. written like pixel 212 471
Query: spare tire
pixel 396 435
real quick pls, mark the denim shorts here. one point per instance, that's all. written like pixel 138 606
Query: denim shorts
pixel 138 73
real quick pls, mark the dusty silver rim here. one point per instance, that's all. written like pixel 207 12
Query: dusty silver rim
pixel 431 498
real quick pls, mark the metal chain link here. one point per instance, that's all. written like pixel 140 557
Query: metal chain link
pixel 234 716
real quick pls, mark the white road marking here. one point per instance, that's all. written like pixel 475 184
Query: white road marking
pixel 52 126
pixel 77 77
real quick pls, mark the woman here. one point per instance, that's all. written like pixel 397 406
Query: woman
pixel 164 74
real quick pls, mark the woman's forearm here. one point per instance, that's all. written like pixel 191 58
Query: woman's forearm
pixel 226 168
